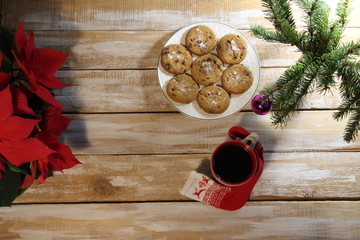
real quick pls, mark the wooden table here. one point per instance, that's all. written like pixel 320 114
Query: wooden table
pixel 138 150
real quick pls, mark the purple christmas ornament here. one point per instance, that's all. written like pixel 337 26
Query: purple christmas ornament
pixel 261 104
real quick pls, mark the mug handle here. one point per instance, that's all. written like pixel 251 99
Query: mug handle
pixel 238 133
pixel 251 139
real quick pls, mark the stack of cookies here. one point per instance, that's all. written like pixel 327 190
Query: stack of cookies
pixel 212 75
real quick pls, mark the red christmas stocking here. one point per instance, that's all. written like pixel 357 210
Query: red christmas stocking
pixel 201 188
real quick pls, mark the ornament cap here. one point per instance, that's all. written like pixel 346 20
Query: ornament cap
pixel 261 104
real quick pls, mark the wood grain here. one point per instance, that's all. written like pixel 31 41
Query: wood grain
pixel 139 15
pixel 140 178
pixel 150 133
pixel 141 49
pixel 178 221
pixel 116 91
pixel 138 49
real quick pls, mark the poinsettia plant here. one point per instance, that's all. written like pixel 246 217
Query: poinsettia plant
pixel 31 119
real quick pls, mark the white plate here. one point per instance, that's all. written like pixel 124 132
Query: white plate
pixel 238 101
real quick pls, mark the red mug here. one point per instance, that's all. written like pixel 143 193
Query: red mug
pixel 234 162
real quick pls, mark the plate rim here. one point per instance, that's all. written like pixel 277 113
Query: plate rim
pixel 216 116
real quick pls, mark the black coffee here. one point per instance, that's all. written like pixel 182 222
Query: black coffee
pixel 232 164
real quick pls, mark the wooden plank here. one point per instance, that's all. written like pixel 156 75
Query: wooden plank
pixel 138 91
pixel 141 49
pixel 129 178
pixel 175 133
pixel 139 15
pixel 178 221
pixel 106 49
pixel 112 91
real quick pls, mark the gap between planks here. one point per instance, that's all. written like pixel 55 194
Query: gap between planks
pixel 131 178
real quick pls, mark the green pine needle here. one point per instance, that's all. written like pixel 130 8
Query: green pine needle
pixel 325 63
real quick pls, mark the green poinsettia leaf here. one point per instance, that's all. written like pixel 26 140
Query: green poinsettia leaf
pixel 7 43
pixel 9 187
pixel 24 168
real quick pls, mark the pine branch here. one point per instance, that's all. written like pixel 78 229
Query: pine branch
pixel 353 125
pixel 324 60
pixel 337 27
pixel 348 70
pixel 332 61
pixel 308 8
pixel 280 14
pixel 349 74
pixel 271 36
pixel 292 87
pixel 343 11
pixel 346 107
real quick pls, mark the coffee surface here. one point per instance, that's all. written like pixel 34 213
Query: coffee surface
pixel 232 164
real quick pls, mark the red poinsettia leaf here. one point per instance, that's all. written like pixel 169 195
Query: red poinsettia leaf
pixel 49 138
pixel 20 65
pixel 62 159
pixel 4 80
pixel 23 151
pixel 45 63
pixel 20 102
pixel 6 107
pixel 20 40
pixel 25 91
pixel 55 124
pixel 41 179
pixel 43 92
pixel 2 166
pixel 43 169
pixel 29 51
pixel 36 88
pixel 16 128
pixel 29 179
pixel 49 81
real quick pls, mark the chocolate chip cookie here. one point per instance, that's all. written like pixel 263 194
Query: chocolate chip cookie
pixel 232 49
pixel 236 79
pixel 182 88
pixel 200 40
pixel 176 59
pixel 207 69
pixel 213 99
